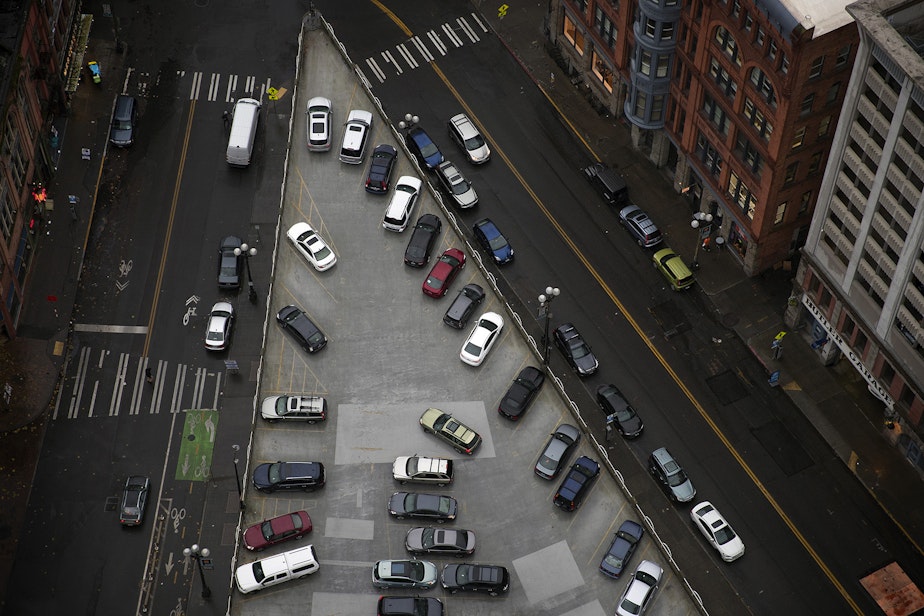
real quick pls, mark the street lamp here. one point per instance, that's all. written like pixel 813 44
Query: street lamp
pixel 198 553
pixel 409 122
pixel 237 477
pixel 545 309
pixel 703 222
pixel 247 252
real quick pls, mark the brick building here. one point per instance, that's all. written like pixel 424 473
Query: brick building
pixel 738 98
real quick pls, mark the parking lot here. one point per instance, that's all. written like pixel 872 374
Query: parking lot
pixel 389 358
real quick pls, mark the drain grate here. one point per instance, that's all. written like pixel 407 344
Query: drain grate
pixel 727 387
pixel 783 447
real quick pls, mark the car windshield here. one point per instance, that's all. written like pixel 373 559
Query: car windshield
pixel 258 574
pixel 406 188
pixel 275 473
pixel 472 349
pixel 474 143
pixel 724 535
pixel 645 577
pixel 629 606
pixel 625 414
pixel 450 260
pixel 316 338
pixel 677 478
pixel 434 282
pixel 322 253
pixel 488 325
pixel 460 187
pixel 122 124
pixel 579 350
pixel 267 530
pixel 426 538
pixel 228 270
pixel 613 561
pixel 498 242
pixel 216 335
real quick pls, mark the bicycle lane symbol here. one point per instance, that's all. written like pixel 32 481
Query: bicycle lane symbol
pixel 178 610
pixel 177 515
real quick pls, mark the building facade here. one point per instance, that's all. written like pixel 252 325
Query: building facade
pixel 739 98
pixel 862 275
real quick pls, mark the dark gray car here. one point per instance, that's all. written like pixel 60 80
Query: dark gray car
pixel 302 329
pixel 229 263
pixel 557 451
pixel 670 476
pixel 463 306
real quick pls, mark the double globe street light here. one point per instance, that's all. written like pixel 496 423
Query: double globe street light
pixel 247 252
pixel 197 553
pixel 703 222
pixel 545 309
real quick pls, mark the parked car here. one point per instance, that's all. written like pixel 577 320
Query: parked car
pixel 422 469
pixel 456 186
pixel 276 476
pixel 576 351
pixel 493 241
pixel 319 133
pixel 423 149
pixel 230 263
pixel 674 270
pixel 292 407
pixel 640 226
pixel 466 136
pixel 521 393
pixel 294 321
pixel 398 214
pixel 134 500
pixel 276 530
pixel 618 411
pixel 576 484
pixel 488 579
pixel 607 181
pixel 557 451
pixel 463 306
pixel 417 253
pixel 423 506
pixel 443 273
pixel 446 427
pixel 404 574
pixel 309 244
pixel 717 531
pixel 277 569
pixel 381 165
pixel 640 590
pixel 124 117
pixel 482 339
pixel 356 136
pixel 440 541
pixel 625 541
pixel 410 606
pixel 670 476
pixel 218 328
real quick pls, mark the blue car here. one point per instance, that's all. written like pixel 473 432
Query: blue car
pixel 493 241
pixel 422 147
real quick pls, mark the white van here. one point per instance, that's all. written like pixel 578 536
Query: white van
pixel 276 569
pixel 243 130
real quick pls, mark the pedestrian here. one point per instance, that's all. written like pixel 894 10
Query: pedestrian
pixel 707 244
pixel 226 118
pixel 148 376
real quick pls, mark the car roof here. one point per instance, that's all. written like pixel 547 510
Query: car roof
pixel 319 101
pixel 360 115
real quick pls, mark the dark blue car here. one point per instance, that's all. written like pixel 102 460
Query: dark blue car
pixel 422 147
pixel 493 241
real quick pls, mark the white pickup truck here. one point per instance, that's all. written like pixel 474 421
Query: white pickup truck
pixel 294 407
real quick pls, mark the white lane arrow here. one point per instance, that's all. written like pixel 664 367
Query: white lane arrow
pixel 169 564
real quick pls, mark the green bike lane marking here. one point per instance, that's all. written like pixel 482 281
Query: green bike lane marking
pixel 198 443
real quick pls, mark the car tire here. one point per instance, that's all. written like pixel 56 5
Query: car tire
pixel 399 517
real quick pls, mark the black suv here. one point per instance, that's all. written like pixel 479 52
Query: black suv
pixel 463 306
pixel 576 484
pixel 229 263
pixel 619 413
pixel 521 393
pixel 273 476
pixel 571 344
pixel 380 168
pixel 489 579
pixel 306 333
pixel 410 606
pixel 417 253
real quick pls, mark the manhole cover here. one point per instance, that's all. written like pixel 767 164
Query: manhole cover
pixel 783 447
pixel 727 387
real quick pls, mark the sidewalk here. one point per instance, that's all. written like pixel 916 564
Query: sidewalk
pixel 834 399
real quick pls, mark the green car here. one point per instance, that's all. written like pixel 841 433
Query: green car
pixel 674 270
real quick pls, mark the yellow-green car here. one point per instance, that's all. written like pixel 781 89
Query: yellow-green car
pixel 674 270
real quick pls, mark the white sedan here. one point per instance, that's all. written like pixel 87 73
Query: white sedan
pixel 307 241
pixel 717 531
pixel 482 338
pixel 319 133
pixel 218 332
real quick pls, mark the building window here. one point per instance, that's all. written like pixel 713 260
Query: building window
pixel 833 93
pixel 771 50
pixel 651 27
pixel 749 155
pixel 657 108
pixel 748 22
pixel 641 100
pixel 757 119
pixel 573 35
pixel 605 27
pixel 804 201
pixel 708 155
pixel 741 194
pixel 790 176
pixel 726 43
pixel 823 127
pixel 842 56
pixel 815 162
pixel 799 138
pixel 723 79
pixel 582 6
pixel 736 8
pixel 663 64
pixel 7 214
pixel 817 64
pixel 667 30
pixel 716 114
pixel 784 63
pixel 780 213
pixel 806 107
pixel 644 64
pixel 759 39
pixel 762 84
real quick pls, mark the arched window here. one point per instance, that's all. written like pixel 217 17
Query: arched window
pixel 727 44
pixel 762 84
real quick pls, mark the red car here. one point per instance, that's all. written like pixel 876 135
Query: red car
pixel 269 532
pixel 444 272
